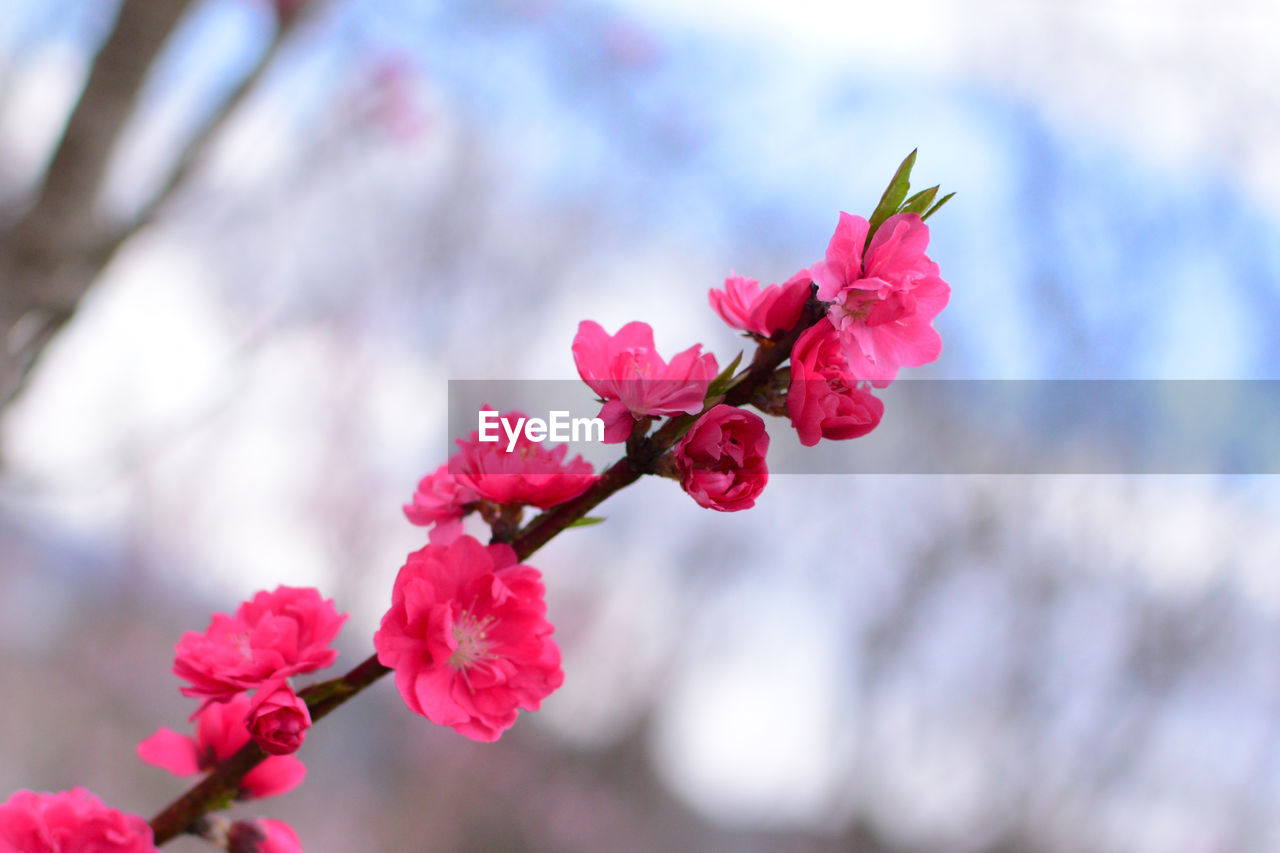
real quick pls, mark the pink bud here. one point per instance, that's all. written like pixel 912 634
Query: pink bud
pixel 825 400
pixel 721 460
pixel 262 836
pixel 743 305
pixel 278 719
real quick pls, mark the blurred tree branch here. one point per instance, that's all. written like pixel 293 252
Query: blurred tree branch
pixel 52 254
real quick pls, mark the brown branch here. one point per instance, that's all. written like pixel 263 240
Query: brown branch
pixel 45 258
pixel 56 251
pixel 64 203
pixel 198 146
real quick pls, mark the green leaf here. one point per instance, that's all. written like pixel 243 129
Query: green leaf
pixel 221 802
pixel 587 521
pixel 919 202
pixel 893 195
pixel 940 203
pixel 721 382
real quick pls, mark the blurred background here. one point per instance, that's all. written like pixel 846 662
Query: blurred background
pixel 245 244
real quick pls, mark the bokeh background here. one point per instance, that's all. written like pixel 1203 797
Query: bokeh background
pixel 254 254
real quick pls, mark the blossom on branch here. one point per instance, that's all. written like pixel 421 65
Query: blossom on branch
pixel 468 637
pixel 824 399
pixel 883 300
pixel 721 460
pixel 278 719
pixel 72 821
pixel 273 635
pixel 627 372
pixel 519 470
pixel 440 503
pixel 776 308
pixel 222 728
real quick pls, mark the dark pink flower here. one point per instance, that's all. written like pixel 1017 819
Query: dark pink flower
pixel 278 719
pixel 743 305
pixel 221 730
pixel 721 460
pixel 262 836
pixel 523 472
pixel 440 503
pixel 468 637
pixel 627 372
pixel 883 301
pixel 72 821
pixel 824 399
pixel 273 635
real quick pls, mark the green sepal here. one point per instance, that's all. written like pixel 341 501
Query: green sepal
pixel 721 383
pixel 586 521
pixel 221 803
pixel 940 203
pixel 919 202
pixel 893 196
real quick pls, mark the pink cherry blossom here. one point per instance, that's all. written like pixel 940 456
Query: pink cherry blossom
pixel 273 635
pixel 221 730
pixel 529 473
pixel 721 460
pixel 278 719
pixel 627 372
pixel 262 836
pixel 776 308
pixel 468 637
pixel 883 301
pixel 72 821
pixel 824 399
pixel 440 503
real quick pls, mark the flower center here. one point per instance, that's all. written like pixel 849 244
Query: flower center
pixel 872 309
pixel 471 635
pixel 240 642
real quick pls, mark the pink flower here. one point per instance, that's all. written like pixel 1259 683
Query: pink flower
pixel 72 821
pixel 628 373
pixel 278 719
pixel 721 459
pixel 824 400
pixel 440 501
pixel 468 637
pixel 743 305
pixel 221 730
pixel 273 635
pixel 262 836
pixel 528 473
pixel 882 302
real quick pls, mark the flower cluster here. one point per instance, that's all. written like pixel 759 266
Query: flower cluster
pixel 467 633
pixel 222 728
pixel 240 668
